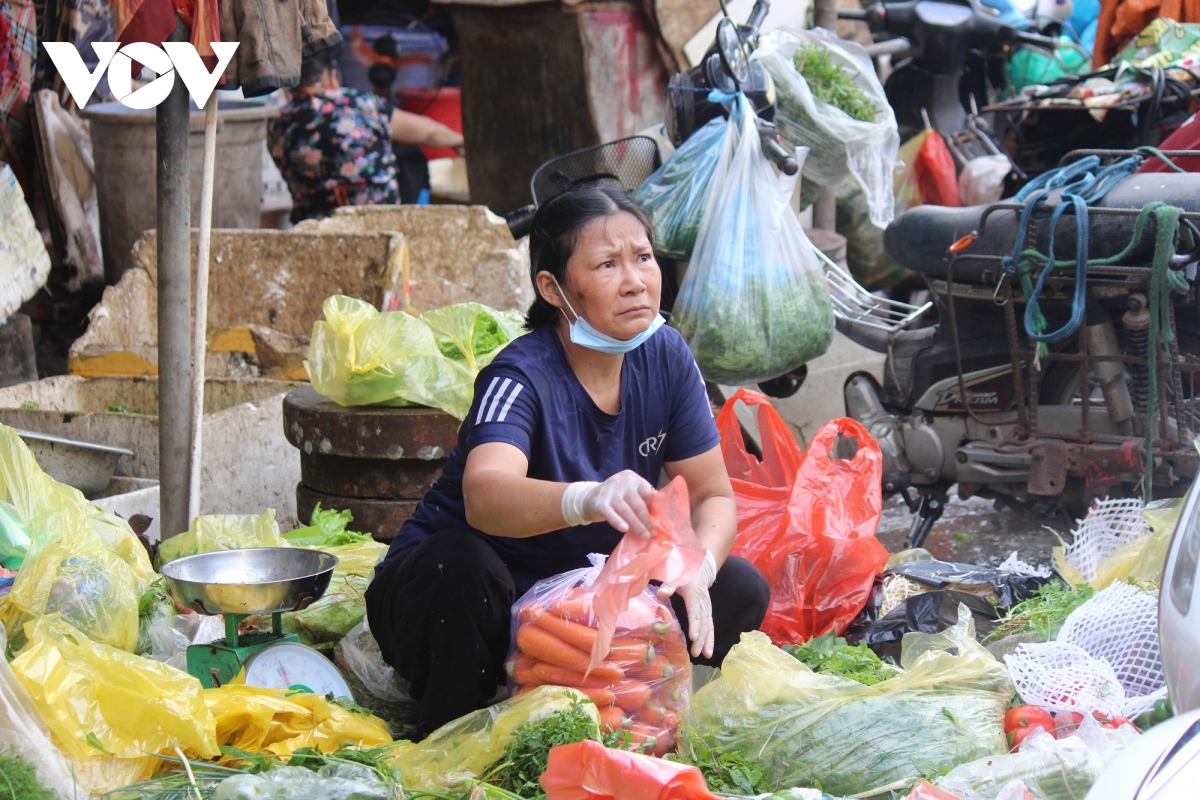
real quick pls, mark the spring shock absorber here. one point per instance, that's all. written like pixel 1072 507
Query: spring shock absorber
pixel 1137 342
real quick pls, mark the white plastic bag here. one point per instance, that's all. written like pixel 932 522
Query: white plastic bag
pixel 365 660
pixel 23 730
pixel 755 302
pixel 331 782
pixel 170 638
pixel 1052 769
pixel 839 144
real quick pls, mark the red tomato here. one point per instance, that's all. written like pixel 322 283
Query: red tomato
pixel 1019 735
pixel 1066 723
pixel 1027 716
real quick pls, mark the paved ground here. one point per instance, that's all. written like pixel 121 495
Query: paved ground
pixel 974 532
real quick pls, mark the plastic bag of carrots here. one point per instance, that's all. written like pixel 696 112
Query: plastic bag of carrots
pixel 642 685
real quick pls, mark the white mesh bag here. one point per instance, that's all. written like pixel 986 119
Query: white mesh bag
pixel 1063 677
pixel 1109 525
pixel 1120 626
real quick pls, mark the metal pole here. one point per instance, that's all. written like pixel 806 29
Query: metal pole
pixel 174 306
pixel 200 333
pixel 825 206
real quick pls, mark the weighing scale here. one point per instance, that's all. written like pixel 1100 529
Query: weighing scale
pixel 243 583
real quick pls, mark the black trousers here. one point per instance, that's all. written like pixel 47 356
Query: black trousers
pixel 441 613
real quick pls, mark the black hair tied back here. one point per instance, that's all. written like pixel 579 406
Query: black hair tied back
pixel 556 227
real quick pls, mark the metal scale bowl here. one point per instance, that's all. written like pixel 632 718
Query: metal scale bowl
pixel 242 583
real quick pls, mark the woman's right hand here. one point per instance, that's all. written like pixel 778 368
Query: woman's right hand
pixel 621 501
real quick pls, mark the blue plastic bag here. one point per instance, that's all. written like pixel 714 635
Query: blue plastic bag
pixel 674 195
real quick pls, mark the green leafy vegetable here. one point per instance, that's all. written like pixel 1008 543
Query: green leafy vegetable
pixel 18 779
pixel 830 655
pixel 326 528
pixel 28 405
pixel 1044 613
pixel 526 756
pixel 486 336
pixel 832 84
pixel 728 773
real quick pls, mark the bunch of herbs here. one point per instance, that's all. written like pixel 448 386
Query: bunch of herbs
pixel 832 84
pixel 525 758
pixel 831 655
pixel 1044 613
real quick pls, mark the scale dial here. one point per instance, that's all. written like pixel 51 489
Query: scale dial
pixel 287 664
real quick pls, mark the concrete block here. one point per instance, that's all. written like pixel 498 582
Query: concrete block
pixel 17 362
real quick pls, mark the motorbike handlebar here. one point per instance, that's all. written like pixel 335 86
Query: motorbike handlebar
pixel 520 222
pixel 774 150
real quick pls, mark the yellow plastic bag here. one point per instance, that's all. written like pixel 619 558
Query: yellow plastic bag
pixel 214 532
pixel 1140 560
pixel 359 356
pixel 82 562
pixel 945 708
pixel 276 721
pixel 357 559
pixel 98 700
pixel 461 750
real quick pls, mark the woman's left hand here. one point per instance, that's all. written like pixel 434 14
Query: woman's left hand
pixel 698 603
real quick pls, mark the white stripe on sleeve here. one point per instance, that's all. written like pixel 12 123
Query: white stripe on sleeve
pixel 496 399
pixel 483 402
pixel 513 396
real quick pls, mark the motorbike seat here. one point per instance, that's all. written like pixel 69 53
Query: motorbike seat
pixel 919 239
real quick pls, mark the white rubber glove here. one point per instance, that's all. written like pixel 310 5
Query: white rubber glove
pixel 620 500
pixel 698 603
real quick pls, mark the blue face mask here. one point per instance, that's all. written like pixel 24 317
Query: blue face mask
pixel 584 335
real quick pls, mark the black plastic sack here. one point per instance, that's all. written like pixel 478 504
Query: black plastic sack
pixel 931 612
pixel 1005 588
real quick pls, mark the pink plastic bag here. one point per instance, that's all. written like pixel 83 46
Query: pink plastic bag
pixel 673 556
pixel 590 771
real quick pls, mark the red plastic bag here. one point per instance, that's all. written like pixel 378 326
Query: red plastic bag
pixel 924 790
pixel 673 556
pixel 590 771
pixel 935 172
pixel 812 535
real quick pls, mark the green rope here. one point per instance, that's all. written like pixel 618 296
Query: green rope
pixel 1163 281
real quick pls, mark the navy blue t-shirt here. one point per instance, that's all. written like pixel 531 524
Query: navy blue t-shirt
pixel 530 398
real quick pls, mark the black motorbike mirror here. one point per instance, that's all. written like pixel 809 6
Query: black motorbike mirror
pixel 733 53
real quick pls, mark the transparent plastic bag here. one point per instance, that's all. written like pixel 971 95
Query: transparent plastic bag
pixel 330 782
pixel 839 145
pixel 1053 769
pixel 642 685
pixel 213 532
pixel 674 196
pixel 98 700
pixel 281 721
pixel 462 750
pixel 362 654
pixel 170 638
pixel 23 730
pixel 945 708
pixel 359 356
pixel 83 563
pixel 754 302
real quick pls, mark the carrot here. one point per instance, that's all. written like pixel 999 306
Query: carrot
pixel 631 695
pixel 572 633
pixel 601 677
pixel 602 697
pixel 632 653
pixel 673 694
pixel 652 632
pixel 612 718
pixel 529 612
pixel 545 646
pixel 642 737
pixel 652 713
pixel 660 669
pixel 576 606
pixel 520 669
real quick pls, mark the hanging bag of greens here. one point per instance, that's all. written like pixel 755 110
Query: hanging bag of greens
pixel 674 195
pixel 829 100
pixel 754 303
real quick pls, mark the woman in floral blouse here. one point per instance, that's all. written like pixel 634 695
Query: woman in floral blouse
pixel 334 145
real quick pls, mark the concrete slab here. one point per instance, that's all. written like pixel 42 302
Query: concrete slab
pixel 247 464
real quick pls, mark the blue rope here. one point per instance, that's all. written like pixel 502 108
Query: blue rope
pixel 1081 183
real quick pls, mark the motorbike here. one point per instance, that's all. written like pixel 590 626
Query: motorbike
pixel 981 398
